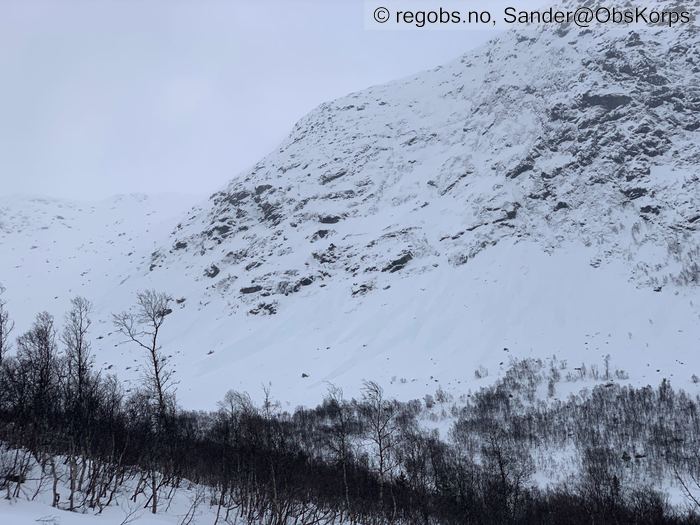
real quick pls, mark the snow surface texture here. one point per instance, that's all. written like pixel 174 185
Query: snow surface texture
pixel 189 503
pixel 537 197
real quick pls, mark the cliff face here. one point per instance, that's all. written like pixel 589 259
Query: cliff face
pixel 567 136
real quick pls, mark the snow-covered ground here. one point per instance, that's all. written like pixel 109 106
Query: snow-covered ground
pixel 412 333
pixel 188 504
pixel 23 512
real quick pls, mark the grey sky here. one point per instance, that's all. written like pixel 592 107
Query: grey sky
pixel 101 97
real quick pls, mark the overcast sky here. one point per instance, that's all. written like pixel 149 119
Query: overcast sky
pixel 102 97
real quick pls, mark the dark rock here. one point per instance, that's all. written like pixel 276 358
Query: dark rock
pixel 251 289
pixel 329 256
pixel 540 196
pixel 520 169
pixel 252 265
pixel 650 209
pixel 561 112
pixel 320 234
pixel 234 199
pixel 347 194
pixel 363 289
pixel 329 219
pixel 264 309
pixel 212 271
pixel 607 101
pixel 656 80
pixel 634 193
pixel 633 40
pixel 270 212
pixel 398 264
pixel 222 230
pixel 454 182
pixel 329 178
pixel 636 173
pixel 235 257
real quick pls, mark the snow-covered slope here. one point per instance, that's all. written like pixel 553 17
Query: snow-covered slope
pixel 51 243
pixel 539 196
pixel 52 250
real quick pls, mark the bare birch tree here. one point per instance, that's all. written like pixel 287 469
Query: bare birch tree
pixel 380 415
pixel 142 326
pixel 79 384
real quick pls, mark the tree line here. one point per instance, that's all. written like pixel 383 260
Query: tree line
pixel 370 460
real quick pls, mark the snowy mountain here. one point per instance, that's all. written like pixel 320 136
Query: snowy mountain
pixel 62 246
pixel 539 196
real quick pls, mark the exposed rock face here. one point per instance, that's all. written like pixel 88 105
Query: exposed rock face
pixel 584 136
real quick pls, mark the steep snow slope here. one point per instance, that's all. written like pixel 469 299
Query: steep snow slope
pixel 51 250
pixel 537 197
